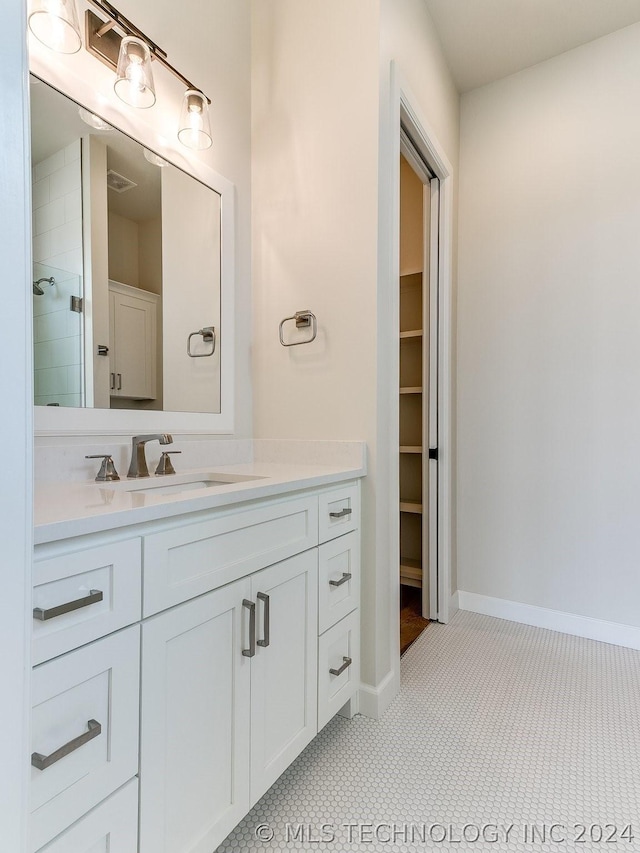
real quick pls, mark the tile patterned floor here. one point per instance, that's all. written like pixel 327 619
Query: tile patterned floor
pixel 497 725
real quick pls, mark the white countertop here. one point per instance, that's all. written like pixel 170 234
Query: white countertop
pixel 66 509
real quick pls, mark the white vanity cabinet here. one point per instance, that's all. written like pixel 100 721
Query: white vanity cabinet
pixel 228 701
pixel 133 330
pixel 240 641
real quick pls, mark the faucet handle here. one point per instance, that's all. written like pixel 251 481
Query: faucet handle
pixel 107 470
pixel 165 465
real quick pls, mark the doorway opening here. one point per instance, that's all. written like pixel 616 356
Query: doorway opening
pixel 418 392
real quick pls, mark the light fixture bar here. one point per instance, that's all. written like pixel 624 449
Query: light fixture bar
pixel 103 42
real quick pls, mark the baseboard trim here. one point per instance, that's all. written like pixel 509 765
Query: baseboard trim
pixel 614 633
pixel 374 701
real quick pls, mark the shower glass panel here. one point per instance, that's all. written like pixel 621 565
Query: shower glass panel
pixel 57 337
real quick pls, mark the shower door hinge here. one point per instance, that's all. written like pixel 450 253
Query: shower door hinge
pixel 76 304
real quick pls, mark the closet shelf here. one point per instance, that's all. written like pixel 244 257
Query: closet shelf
pixel 411 389
pixel 412 333
pixel 405 273
pixel 408 448
pixel 410 572
pixel 411 506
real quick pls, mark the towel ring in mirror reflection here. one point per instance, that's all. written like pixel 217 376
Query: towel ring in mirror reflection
pixel 208 334
pixel 303 320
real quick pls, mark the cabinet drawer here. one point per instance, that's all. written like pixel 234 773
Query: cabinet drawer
pixel 84 731
pixel 85 595
pixel 338 579
pixel 112 827
pixel 187 561
pixel 338 649
pixel 338 511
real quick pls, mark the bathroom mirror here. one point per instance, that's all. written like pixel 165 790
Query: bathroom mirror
pixel 127 277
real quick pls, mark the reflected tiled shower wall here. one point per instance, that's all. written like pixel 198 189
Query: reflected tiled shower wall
pixel 57 252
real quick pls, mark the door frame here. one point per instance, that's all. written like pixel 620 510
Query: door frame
pixel 405 111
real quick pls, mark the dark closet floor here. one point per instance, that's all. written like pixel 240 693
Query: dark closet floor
pixel 412 623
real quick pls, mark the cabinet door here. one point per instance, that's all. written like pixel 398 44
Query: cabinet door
pixel 194 763
pixel 112 827
pixel 133 324
pixel 284 668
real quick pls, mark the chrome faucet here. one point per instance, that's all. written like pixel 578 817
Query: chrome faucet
pixel 138 466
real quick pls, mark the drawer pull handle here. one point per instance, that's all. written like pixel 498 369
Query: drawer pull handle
pixel 251 607
pixel 262 596
pixel 343 512
pixel 347 663
pixel 95 595
pixel 346 576
pixel 41 762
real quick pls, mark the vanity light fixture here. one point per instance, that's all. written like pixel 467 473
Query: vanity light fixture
pixel 55 24
pixel 124 47
pixel 194 130
pixel 134 78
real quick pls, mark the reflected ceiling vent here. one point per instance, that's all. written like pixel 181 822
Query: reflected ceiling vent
pixel 119 183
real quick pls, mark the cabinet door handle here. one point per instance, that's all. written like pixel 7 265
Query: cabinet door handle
pixel 346 576
pixel 347 663
pixel 119 375
pixel 41 762
pixel 251 607
pixel 343 512
pixel 264 642
pixel 95 595
pixel 113 382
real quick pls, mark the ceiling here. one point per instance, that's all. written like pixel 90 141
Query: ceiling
pixel 484 40
pixel 55 123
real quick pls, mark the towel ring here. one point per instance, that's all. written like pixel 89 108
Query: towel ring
pixel 303 320
pixel 208 336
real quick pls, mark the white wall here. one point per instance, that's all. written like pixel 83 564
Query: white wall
pixel 16 427
pixel 315 127
pixel 549 340
pixel 317 112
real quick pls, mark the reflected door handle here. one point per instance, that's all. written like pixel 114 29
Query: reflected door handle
pixel 346 664
pixel 119 375
pixel 342 514
pixel 113 381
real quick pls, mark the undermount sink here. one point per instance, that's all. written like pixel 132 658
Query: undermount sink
pixel 175 484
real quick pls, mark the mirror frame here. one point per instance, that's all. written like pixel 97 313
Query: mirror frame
pixel 70 75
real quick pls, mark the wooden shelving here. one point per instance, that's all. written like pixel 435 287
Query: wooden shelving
pixel 413 381
pixel 411 573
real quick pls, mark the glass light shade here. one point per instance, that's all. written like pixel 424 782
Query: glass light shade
pixel 93 120
pixel 155 159
pixel 194 130
pixel 134 78
pixel 55 24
